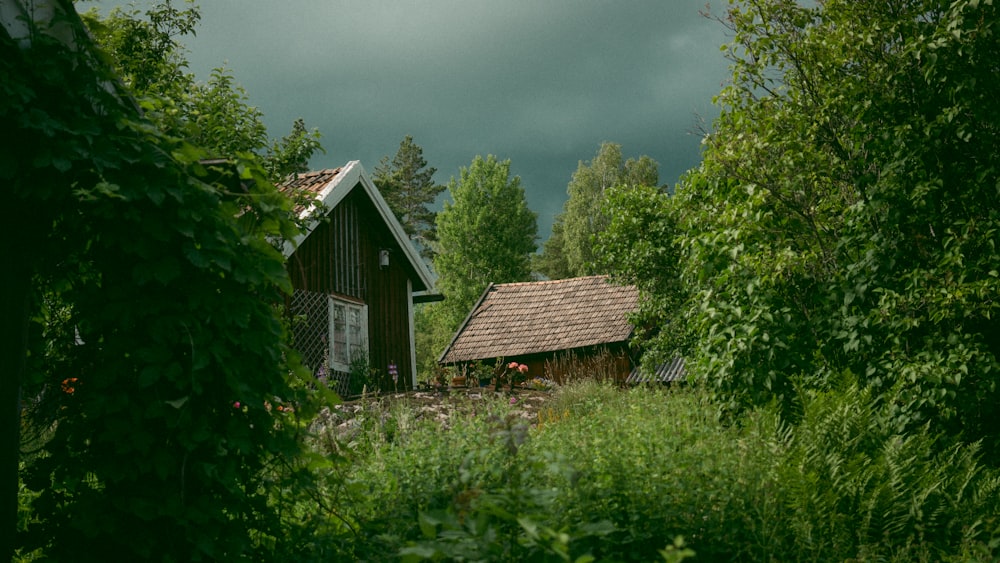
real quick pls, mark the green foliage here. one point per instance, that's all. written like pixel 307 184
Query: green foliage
pixel 144 46
pixel 467 497
pixel 165 287
pixel 845 214
pixel 25 517
pixel 364 377
pixel 425 341
pixel 850 480
pixel 145 49
pixel 551 261
pixel 408 187
pixel 570 250
pixel 677 552
pixel 653 468
pixel 219 118
pixel 618 476
pixel 638 247
pixel 291 154
pixel 486 235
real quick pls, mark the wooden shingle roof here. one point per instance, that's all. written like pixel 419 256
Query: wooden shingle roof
pixel 312 183
pixel 514 319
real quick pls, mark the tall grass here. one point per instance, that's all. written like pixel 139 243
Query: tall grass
pixel 655 465
pixel 602 366
pixel 618 475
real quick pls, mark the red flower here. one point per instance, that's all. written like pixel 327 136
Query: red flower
pixel 67 385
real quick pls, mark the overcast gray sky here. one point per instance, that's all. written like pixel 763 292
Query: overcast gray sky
pixel 539 82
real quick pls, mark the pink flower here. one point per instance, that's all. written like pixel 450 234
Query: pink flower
pixel 512 365
pixel 513 400
pixel 522 368
pixel 236 405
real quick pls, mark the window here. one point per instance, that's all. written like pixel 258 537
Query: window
pixel 348 332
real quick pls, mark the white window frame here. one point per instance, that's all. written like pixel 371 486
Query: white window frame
pixel 352 337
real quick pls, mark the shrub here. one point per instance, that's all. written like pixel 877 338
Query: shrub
pixel 621 474
pixel 850 485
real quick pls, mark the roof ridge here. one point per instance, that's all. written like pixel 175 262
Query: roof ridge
pixel 549 282
pixel 319 172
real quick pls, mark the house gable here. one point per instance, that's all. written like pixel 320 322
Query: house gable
pixel 330 188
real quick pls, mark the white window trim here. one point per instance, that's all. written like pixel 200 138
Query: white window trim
pixel 361 342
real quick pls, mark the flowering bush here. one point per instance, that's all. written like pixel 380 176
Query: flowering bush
pixel 440 376
pixel 510 374
pixel 541 384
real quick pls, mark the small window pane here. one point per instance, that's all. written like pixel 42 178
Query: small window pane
pixel 339 340
pixel 348 334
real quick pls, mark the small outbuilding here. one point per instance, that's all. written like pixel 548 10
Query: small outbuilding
pixel 666 373
pixel 553 327
pixel 356 277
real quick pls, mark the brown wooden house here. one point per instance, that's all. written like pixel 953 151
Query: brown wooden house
pixel 550 326
pixel 356 276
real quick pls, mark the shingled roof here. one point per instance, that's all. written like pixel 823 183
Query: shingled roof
pixel 312 183
pixel 514 319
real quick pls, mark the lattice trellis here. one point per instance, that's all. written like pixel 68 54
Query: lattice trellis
pixel 311 337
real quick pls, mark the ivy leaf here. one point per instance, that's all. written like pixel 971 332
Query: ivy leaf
pixel 178 403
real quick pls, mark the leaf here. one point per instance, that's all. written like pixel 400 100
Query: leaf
pixel 428 525
pixel 178 403
pixel 166 269
pixel 149 375
pixel 61 164
pixel 415 553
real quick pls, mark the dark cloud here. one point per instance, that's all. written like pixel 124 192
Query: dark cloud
pixel 542 83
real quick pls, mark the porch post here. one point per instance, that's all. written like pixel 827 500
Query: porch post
pixel 412 328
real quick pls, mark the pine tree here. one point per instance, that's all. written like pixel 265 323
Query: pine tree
pixel 407 185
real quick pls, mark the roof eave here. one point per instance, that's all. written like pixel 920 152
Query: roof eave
pixel 542 352
pixel 462 326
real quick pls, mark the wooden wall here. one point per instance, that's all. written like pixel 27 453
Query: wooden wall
pixel 340 257
pixel 610 362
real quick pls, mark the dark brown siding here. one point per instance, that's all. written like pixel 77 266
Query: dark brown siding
pixel 607 362
pixel 328 259
pixel 340 257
